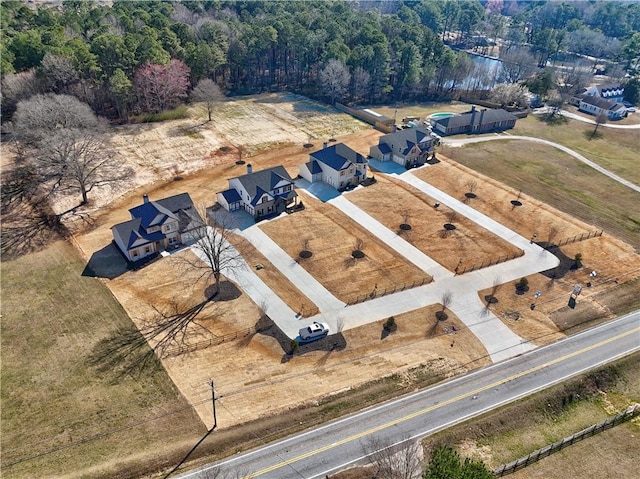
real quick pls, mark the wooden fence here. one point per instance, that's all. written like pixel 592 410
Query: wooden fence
pixel 384 124
pixel 489 262
pixel 576 238
pixel 360 298
pixel 196 346
pixel 630 413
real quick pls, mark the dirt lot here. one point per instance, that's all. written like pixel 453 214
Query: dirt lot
pixel 393 202
pixel 332 237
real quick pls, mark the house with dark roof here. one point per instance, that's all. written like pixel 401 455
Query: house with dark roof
pixel 156 226
pixel 474 121
pixel 337 165
pixel 409 147
pixel 594 105
pixel 613 93
pixel 261 193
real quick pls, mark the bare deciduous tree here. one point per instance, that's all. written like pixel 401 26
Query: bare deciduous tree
pixel 397 461
pixel 517 65
pixel 77 160
pixel 64 145
pixel 207 92
pixel 446 299
pixel 471 185
pixel 335 79
pixel 361 81
pixel 58 72
pixel 601 119
pixel 213 248
pixel 510 94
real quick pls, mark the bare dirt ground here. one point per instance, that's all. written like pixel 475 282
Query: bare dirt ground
pixel 393 203
pixel 254 376
pixel 332 237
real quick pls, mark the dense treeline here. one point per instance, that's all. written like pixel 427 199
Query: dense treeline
pixel 380 51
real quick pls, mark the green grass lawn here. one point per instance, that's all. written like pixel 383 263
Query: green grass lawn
pixel 61 415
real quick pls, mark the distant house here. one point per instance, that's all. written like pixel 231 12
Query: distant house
pixel 474 121
pixel 262 193
pixel 337 165
pixel 613 93
pixel 156 226
pixel 409 147
pixel 595 105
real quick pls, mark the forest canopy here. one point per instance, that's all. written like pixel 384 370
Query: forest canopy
pixel 389 50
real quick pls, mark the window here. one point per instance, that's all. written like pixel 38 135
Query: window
pixel 342 173
pixel 134 253
pixel 287 188
pixel 147 249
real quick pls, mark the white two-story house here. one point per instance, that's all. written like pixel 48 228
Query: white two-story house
pixel 337 165
pixel 262 193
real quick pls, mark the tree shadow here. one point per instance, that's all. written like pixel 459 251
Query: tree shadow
pixel 131 350
pixel 566 264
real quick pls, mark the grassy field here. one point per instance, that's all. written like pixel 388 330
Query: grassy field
pixel 62 415
pixel 555 178
pixel 611 148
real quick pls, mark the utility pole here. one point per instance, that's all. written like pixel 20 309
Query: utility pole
pixel 213 402
pixel 215 424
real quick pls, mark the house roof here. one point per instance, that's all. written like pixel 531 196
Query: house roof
pixel 602 103
pixel 264 180
pixel 313 167
pixel 231 196
pixel 610 90
pixel 155 213
pixel 338 156
pixel 405 140
pixel 469 119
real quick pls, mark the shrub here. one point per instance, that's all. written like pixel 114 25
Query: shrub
pixel 390 323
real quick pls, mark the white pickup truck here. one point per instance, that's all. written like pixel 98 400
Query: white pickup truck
pixel 313 332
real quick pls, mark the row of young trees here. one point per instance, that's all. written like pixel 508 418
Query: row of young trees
pixel 104 54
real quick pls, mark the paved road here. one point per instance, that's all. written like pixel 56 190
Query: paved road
pixel 465 141
pixel 334 446
pixel 574 116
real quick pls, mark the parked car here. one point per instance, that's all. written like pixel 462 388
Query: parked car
pixel 313 332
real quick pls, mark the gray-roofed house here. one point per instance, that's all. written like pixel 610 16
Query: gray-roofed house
pixel 475 121
pixel 595 105
pixel 261 193
pixel 337 165
pixel 156 226
pixel 409 147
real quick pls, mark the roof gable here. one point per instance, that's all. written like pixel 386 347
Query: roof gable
pixel 264 180
pixel 338 157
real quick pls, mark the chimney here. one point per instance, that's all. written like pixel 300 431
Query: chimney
pixel 249 169
pixel 473 115
pixel 324 145
pixel 482 115
pixel 145 198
